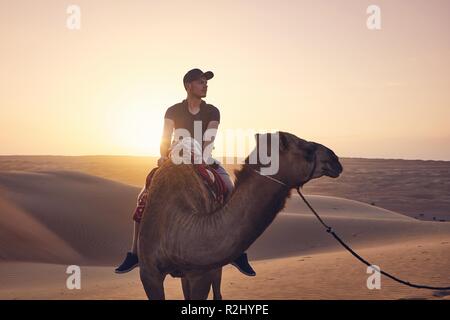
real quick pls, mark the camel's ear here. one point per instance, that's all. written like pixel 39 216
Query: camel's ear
pixel 284 143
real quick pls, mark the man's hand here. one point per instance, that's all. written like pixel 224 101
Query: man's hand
pixel 161 161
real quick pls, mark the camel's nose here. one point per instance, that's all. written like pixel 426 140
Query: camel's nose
pixel 338 167
pixel 334 163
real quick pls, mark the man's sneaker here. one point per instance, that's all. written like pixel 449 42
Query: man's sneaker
pixel 131 261
pixel 241 263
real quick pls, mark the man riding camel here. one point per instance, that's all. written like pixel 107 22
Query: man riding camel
pixel 186 115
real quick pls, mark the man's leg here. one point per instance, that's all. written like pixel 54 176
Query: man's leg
pixel 131 260
pixel 225 177
pixel 241 263
pixel 135 237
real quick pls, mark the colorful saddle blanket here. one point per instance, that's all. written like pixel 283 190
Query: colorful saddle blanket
pixel 211 179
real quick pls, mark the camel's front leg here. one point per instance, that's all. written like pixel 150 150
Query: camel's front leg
pixel 186 288
pixel 153 283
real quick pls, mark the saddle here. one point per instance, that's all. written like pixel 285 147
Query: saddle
pixel 212 180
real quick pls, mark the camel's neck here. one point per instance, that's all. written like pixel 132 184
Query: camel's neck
pixel 252 207
pixel 212 240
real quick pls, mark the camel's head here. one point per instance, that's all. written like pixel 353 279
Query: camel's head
pixel 298 160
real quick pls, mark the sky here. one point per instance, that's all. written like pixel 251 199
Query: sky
pixel 311 68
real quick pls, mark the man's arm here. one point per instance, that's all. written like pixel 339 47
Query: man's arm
pixel 166 138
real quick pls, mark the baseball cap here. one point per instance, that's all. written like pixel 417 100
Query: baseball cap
pixel 195 74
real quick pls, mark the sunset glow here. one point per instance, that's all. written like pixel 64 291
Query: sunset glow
pixel 308 67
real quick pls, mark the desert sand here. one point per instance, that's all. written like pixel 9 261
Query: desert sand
pixel 56 212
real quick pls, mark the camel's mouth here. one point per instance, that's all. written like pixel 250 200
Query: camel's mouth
pixel 333 170
pixel 332 174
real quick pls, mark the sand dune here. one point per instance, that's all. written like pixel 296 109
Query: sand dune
pixel 24 238
pixel 90 214
pixel 417 188
pixel 292 234
pixel 331 275
pixel 51 219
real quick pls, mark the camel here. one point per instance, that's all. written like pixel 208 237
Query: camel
pixel 185 233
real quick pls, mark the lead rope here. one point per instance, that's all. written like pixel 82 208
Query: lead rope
pixel 357 256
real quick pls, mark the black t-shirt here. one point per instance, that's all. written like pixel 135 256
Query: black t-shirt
pixel 183 118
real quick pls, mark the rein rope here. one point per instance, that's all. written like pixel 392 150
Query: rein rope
pixel 347 247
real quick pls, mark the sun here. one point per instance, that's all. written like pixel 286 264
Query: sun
pixel 136 128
